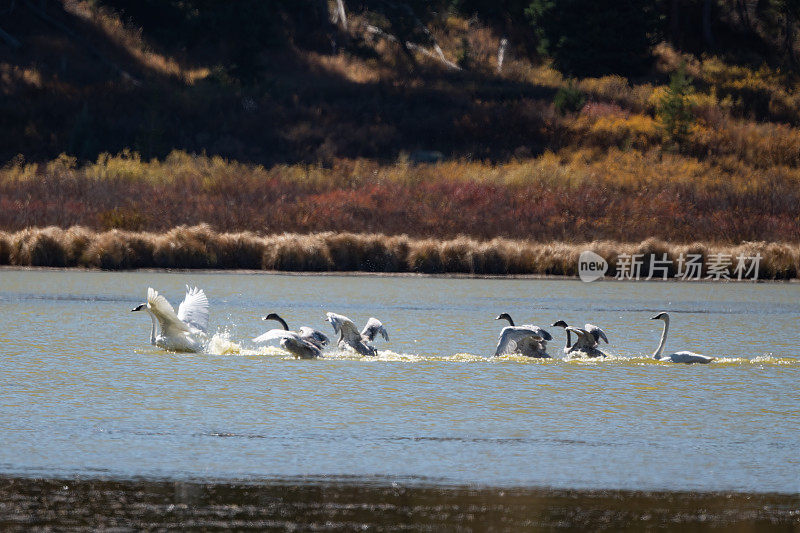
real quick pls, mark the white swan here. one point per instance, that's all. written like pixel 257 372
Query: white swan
pixel 305 344
pixel 677 357
pixel 181 332
pixel 586 342
pixel 349 336
pixel 527 340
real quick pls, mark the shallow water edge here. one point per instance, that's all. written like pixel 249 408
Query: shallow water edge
pixel 374 504
pixel 365 274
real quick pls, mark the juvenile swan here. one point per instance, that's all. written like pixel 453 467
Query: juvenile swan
pixel 349 336
pixel 586 342
pixel 527 340
pixel 307 344
pixel 585 345
pixel 677 357
pixel 314 336
pixel 181 332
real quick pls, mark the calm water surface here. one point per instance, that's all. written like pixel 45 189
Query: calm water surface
pixel 83 393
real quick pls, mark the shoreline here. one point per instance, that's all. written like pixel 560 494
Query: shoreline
pixel 366 274
pixel 367 504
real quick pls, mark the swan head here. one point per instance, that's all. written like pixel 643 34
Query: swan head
pixel 660 316
pixel 503 316
pixel 139 307
pixel 271 316
pixel 559 324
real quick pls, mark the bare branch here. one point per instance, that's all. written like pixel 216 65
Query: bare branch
pixel 9 39
pixel 438 54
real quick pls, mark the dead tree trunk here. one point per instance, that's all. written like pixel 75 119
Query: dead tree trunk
pixel 501 54
pixel 340 16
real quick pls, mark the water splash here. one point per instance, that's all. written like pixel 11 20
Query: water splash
pixel 222 344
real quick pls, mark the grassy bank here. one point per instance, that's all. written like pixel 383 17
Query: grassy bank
pixel 319 141
pixel 570 196
pixel 201 247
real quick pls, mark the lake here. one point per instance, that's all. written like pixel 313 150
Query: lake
pixel 82 393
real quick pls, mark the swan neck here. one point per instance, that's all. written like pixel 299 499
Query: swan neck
pixel 153 328
pixel 282 321
pixel 569 341
pixel 510 321
pixel 663 342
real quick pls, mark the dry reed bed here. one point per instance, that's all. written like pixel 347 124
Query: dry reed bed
pixel 201 247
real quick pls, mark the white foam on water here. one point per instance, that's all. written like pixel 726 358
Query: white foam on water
pixel 222 344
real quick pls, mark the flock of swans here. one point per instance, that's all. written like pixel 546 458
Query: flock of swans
pixel 186 331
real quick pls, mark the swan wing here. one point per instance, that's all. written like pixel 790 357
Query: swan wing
pixel 314 336
pixel 276 334
pixel 291 342
pixel 163 311
pixel 373 327
pixel 689 357
pixel 344 327
pixel 538 331
pixel 585 340
pixel 530 346
pixel 513 337
pixel 596 332
pixel 194 309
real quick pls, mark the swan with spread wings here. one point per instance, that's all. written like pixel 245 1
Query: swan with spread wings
pixel 183 331
pixel 351 339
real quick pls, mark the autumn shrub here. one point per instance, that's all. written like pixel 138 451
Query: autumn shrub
pixel 749 192
pixel 568 99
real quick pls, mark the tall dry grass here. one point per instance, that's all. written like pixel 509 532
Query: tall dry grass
pixel 199 247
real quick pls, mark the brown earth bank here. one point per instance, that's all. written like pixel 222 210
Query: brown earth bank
pixel 71 504
pixel 200 247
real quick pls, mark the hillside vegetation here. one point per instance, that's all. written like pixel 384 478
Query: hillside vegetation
pixel 269 118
